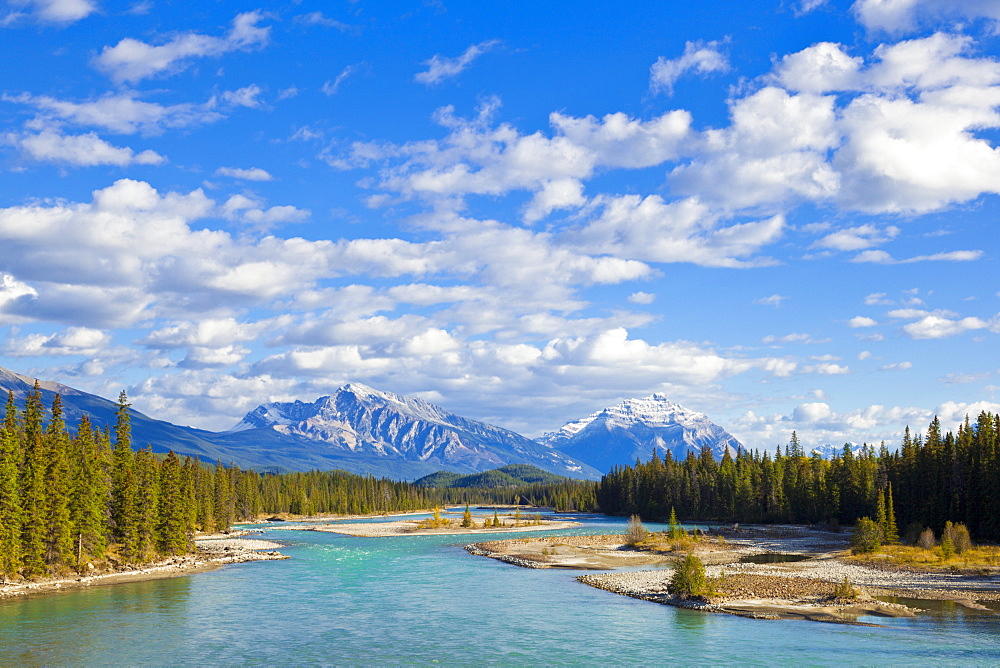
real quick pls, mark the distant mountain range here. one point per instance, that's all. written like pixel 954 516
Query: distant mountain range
pixel 632 429
pixel 369 423
pixel 367 431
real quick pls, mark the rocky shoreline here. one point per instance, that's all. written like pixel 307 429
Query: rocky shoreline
pixel 802 589
pixel 213 552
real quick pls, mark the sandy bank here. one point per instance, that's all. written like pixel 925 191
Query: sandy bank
pixel 213 552
pixel 412 528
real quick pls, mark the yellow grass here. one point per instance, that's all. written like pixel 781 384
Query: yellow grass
pixel 984 557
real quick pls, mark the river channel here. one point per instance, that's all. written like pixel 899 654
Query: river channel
pixel 345 600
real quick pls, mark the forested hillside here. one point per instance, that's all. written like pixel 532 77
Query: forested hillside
pixel 930 479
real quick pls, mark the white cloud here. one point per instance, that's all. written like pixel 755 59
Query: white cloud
pixel 58 11
pixel 122 113
pixel 821 68
pixel 251 174
pixel 795 337
pixel 243 97
pixel 901 16
pixel 857 238
pixel 827 369
pixel 898 366
pixel 861 321
pixel 331 87
pixel 641 298
pixel 132 60
pixel 773 300
pixel 938 327
pixel 882 257
pixel 86 150
pixel 653 230
pixel 71 341
pixel 699 57
pixel 440 68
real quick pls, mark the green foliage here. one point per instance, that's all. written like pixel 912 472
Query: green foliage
pixel 689 578
pixel 931 478
pixel 961 539
pixel 467 522
pixel 867 537
pixel 845 589
pixel 675 531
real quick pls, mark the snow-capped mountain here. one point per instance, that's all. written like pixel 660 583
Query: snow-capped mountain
pixel 367 422
pixel 632 429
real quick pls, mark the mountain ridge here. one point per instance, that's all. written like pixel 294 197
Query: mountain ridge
pixel 633 428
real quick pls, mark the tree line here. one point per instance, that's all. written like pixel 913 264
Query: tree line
pixel 70 501
pixel 931 479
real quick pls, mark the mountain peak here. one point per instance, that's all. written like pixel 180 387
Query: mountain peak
pixel 371 423
pixel 633 428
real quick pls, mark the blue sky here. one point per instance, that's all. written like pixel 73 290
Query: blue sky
pixel 780 213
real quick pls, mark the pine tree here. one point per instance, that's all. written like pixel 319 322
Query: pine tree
pixel 890 530
pixel 89 499
pixel 10 494
pixel 467 517
pixel 124 509
pixel 58 489
pixel 148 503
pixel 33 497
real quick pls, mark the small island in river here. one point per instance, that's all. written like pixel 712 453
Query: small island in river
pixel 774 572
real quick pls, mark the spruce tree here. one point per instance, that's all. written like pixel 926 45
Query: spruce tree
pixel 10 493
pixel 58 487
pixel 33 497
pixel 890 530
pixel 174 516
pixel 124 509
pixel 147 502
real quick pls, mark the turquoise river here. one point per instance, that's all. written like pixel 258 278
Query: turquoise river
pixel 344 600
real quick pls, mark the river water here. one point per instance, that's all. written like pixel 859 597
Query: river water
pixel 344 600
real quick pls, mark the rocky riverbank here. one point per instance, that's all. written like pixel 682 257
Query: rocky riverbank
pixel 213 552
pixel 803 589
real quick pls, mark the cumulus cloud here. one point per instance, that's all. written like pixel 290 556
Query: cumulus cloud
pixel 132 60
pixel 818 423
pixel 440 68
pixel 902 16
pixel 70 341
pixel 699 57
pixel 861 321
pixel 938 327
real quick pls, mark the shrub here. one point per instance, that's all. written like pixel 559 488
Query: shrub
pixel 845 589
pixel 926 540
pixel 636 531
pixel 961 539
pixel 689 578
pixel 867 537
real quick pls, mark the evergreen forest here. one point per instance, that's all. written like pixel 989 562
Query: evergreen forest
pixel 931 479
pixel 68 502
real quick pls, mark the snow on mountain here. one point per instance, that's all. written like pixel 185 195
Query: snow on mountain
pixel 361 420
pixel 632 429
